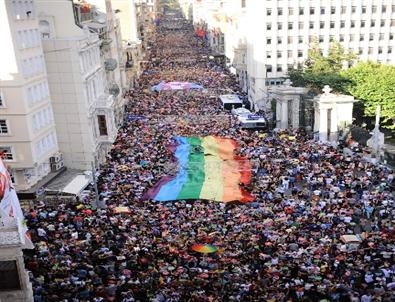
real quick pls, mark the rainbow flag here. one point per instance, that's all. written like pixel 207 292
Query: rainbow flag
pixel 208 169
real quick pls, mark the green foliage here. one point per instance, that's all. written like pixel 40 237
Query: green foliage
pixel 322 70
pixel 374 84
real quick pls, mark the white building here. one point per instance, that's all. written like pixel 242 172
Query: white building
pixel 27 129
pixel 84 109
pixel 126 13
pixel 279 33
pixel 107 25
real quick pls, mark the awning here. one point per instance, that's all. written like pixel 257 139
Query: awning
pixel 77 185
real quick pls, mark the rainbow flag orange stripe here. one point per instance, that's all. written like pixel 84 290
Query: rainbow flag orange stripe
pixel 208 169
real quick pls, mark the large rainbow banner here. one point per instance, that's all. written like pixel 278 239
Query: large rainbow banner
pixel 208 169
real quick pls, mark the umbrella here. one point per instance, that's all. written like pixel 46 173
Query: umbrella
pixel 204 248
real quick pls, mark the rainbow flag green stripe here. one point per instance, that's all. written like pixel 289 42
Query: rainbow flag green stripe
pixel 208 169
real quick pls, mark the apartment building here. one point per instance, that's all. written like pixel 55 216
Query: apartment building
pixel 278 33
pixel 132 48
pixel 84 106
pixel 104 21
pixel 28 137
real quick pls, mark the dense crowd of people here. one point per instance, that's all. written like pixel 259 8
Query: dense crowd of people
pixel 287 245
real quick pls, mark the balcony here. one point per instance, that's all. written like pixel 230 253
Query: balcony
pixel 114 89
pixel 110 64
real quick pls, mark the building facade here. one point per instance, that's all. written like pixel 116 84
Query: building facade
pixel 85 110
pixel 28 137
pixel 278 33
pixel 132 47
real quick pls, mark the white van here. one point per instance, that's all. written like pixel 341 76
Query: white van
pixel 249 120
pixel 252 121
pixel 230 101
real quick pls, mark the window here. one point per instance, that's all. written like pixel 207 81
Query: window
pixel 300 53
pixel 279 54
pixel 352 24
pixel 380 50
pixel 268 26
pixel 311 39
pixel 391 36
pixel 374 9
pixel 3 127
pixel 389 50
pixel 280 11
pixel 6 152
pixel 393 22
pixel 300 39
pixel 352 38
pixel 279 25
pixel 101 120
pixel 279 68
pixel 331 38
pixel 311 25
pixel 322 24
pixel 333 10
pixel 361 37
pixel 279 40
pixel 290 40
pixel 9 276
pixel 269 68
pixel 370 51
pixel 290 66
pixel 393 8
pixel 363 9
pixel 289 53
pixel 300 25
pixel 342 24
pixel 353 9
pixel 268 41
pixel 384 8
pixel 290 25
pixel 321 39
pixel 381 37
pixel 371 37
pixel 268 12
pixel 312 10
pixel 372 23
pixel 290 11
pixel 322 10
pixel 363 23
pixel 268 54
pixel 360 51
pixel 382 23
pixel 1 99
pixel 343 10
pixel 332 24
pixel 301 11
pixel 341 38
pixel 243 3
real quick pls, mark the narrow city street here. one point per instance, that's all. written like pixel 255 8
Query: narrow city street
pixel 199 209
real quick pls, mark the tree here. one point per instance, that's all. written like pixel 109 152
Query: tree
pixel 373 84
pixel 320 70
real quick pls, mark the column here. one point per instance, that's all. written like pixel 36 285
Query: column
pixel 284 114
pixel 278 113
pixel 323 126
pixel 295 111
pixel 333 126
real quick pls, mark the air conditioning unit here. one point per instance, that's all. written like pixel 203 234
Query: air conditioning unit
pixel 57 166
pixel 56 158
